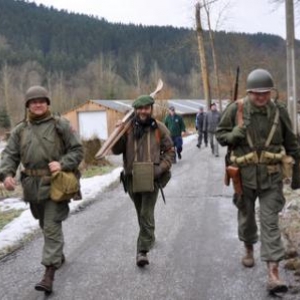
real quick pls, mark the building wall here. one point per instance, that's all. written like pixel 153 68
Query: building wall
pixel 112 115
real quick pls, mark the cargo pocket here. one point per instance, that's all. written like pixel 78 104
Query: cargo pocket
pixel 62 211
pixel 44 188
pixel 239 202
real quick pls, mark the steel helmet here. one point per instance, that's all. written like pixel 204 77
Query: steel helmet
pixel 36 92
pixel 259 81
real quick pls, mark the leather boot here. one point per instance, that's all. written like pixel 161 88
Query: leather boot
pixel 248 259
pixel 45 285
pixel 275 285
pixel 142 259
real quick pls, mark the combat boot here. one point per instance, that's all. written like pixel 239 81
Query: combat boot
pixel 275 285
pixel 142 259
pixel 45 285
pixel 248 259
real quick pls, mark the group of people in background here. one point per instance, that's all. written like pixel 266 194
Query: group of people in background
pixel 206 124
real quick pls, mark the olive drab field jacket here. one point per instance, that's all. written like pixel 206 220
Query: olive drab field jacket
pixel 161 148
pixel 258 123
pixel 60 143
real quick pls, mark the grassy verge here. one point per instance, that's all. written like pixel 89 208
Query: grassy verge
pixel 7 216
pixel 96 170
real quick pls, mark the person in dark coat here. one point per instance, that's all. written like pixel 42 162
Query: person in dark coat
pixel 213 118
pixel 146 144
pixel 201 127
pixel 175 124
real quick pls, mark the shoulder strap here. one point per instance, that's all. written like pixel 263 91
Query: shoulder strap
pixel 240 112
pixel 273 129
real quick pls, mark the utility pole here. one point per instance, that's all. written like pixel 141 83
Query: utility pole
pixel 203 63
pixel 291 68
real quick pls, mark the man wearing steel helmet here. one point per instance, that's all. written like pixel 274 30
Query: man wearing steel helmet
pixel 44 144
pixel 146 144
pixel 258 131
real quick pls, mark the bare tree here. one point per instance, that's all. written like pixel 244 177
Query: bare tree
pixel 136 71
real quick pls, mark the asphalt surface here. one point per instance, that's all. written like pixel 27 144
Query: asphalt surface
pixel 196 256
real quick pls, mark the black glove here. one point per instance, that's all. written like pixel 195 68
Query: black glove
pixel 157 172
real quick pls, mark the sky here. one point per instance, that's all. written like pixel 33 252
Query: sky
pixel 15 231
pixel 250 16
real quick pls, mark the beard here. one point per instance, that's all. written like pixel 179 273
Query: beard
pixel 141 125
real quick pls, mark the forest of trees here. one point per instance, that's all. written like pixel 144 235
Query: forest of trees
pixel 78 57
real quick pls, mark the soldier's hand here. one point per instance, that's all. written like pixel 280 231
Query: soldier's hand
pixel 54 166
pixel 238 133
pixel 9 183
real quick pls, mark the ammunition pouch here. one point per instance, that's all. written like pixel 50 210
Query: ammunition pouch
pixel 245 160
pixel 267 158
pixel 142 177
pixel 270 158
pixel 287 166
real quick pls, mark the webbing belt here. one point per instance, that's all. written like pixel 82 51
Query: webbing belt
pixel 37 172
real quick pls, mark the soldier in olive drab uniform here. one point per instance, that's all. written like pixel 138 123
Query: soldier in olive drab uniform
pixel 257 147
pixel 43 144
pixel 146 140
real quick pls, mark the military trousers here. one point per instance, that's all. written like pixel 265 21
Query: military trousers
pixel 214 145
pixel 271 202
pixel 144 204
pixel 50 215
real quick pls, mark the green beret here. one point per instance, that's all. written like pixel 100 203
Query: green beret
pixel 143 100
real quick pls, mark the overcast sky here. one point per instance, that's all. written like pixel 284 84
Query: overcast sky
pixel 249 16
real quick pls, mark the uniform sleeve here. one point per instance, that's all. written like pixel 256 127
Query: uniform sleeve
pixel 182 125
pixel 11 156
pixel 226 124
pixel 120 146
pixel 290 142
pixel 167 155
pixel 73 153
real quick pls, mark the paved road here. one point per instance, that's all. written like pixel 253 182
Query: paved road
pixel 196 257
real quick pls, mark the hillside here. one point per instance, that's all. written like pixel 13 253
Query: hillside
pixel 78 57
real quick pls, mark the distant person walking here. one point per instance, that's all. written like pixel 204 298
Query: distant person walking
pixel 175 124
pixel 201 127
pixel 213 119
